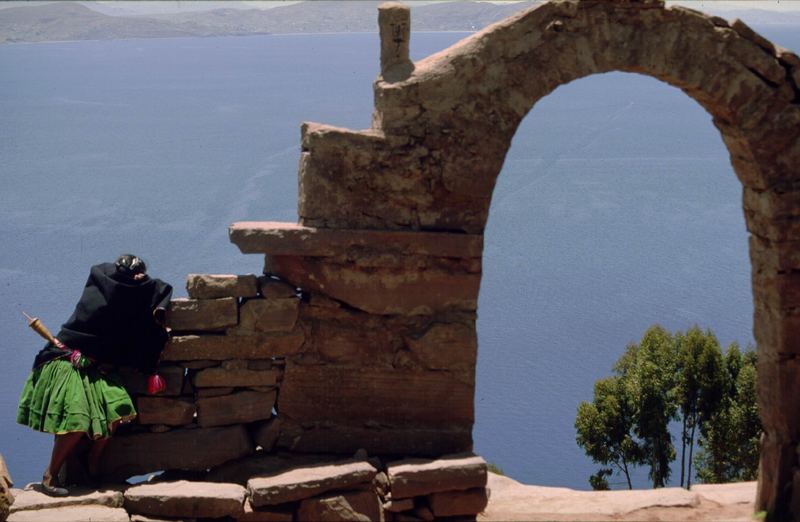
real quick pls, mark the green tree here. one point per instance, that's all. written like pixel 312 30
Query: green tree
pixel 604 428
pixel 652 382
pixel 729 442
pixel 700 387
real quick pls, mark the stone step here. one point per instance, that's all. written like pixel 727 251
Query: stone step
pixel 92 513
pixel 277 238
pixel 186 499
pixel 415 477
pixel 306 482
pixel 28 499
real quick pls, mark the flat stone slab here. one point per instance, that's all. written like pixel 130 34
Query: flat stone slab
pixel 459 503
pixel 28 499
pixel 224 347
pixel 189 315
pixel 277 238
pixel 214 286
pixel 415 477
pixel 71 514
pixel 220 377
pixel 241 407
pixel 305 482
pixel 186 499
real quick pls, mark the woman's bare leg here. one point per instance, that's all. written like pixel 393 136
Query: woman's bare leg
pixel 62 448
pixel 97 449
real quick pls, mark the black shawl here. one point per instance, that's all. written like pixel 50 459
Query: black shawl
pixel 114 321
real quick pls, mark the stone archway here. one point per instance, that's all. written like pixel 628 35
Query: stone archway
pixel 391 218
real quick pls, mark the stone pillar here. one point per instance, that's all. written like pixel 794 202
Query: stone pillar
pixel 5 490
pixel 394 21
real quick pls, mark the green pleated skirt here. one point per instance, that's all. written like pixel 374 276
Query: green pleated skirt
pixel 58 399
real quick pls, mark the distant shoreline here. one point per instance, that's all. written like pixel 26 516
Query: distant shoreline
pixel 326 33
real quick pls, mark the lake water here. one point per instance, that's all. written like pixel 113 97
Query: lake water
pixel 617 208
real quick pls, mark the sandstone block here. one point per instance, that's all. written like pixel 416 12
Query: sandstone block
pixel 269 315
pixel 195 449
pixel 71 514
pixel 266 433
pixel 415 477
pixel 223 347
pixel 198 365
pixel 271 288
pixel 219 377
pixel 352 505
pixel 382 290
pixel 279 239
pixel 241 407
pixel 340 438
pixel 265 514
pixel 446 347
pixel 162 410
pixel 305 482
pixel 458 503
pixel 215 286
pixel 29 499
pixel 202 315
pixel 214 392
pixel 343 394
pixel 777 462
pixel 186 499
pixel 136 382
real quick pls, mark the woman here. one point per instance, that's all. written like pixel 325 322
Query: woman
pixel 73 390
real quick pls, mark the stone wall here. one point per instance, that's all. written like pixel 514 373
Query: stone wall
pixel 377 348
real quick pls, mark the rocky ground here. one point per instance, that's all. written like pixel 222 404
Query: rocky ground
pixel 509 501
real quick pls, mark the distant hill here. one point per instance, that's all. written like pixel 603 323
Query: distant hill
pixel 74 21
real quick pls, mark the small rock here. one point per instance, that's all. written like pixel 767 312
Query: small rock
pixel 33 500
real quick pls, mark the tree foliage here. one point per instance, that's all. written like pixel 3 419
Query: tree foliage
pixel 667 377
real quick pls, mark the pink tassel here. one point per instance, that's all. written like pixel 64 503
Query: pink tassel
pixel 155 384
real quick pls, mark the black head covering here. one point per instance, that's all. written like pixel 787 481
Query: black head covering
pixel 113 321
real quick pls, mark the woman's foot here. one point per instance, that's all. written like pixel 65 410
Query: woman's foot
pixel 49 487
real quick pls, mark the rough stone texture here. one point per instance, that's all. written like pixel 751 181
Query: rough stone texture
pixel 33 500
pixel 6 497
pixel 222 347
pixel 394 23
pixel 186 499
pixel 265 434
pixel 342 394
pixel 376 438
pixel 202 315
pixel 161 410
pixel 455 503
pixel 306 482
pixel 241 407
pixel 220 377
pixel 352 505
pixel 446 347
pixel 196 449
pixel 213 392
pixel 268 315
pixel 415 477
pixel 416 288
pixel 72 514
pixel 265 514
pixel 214 286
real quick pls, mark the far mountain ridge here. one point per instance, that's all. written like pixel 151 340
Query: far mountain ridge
pixel 75 21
